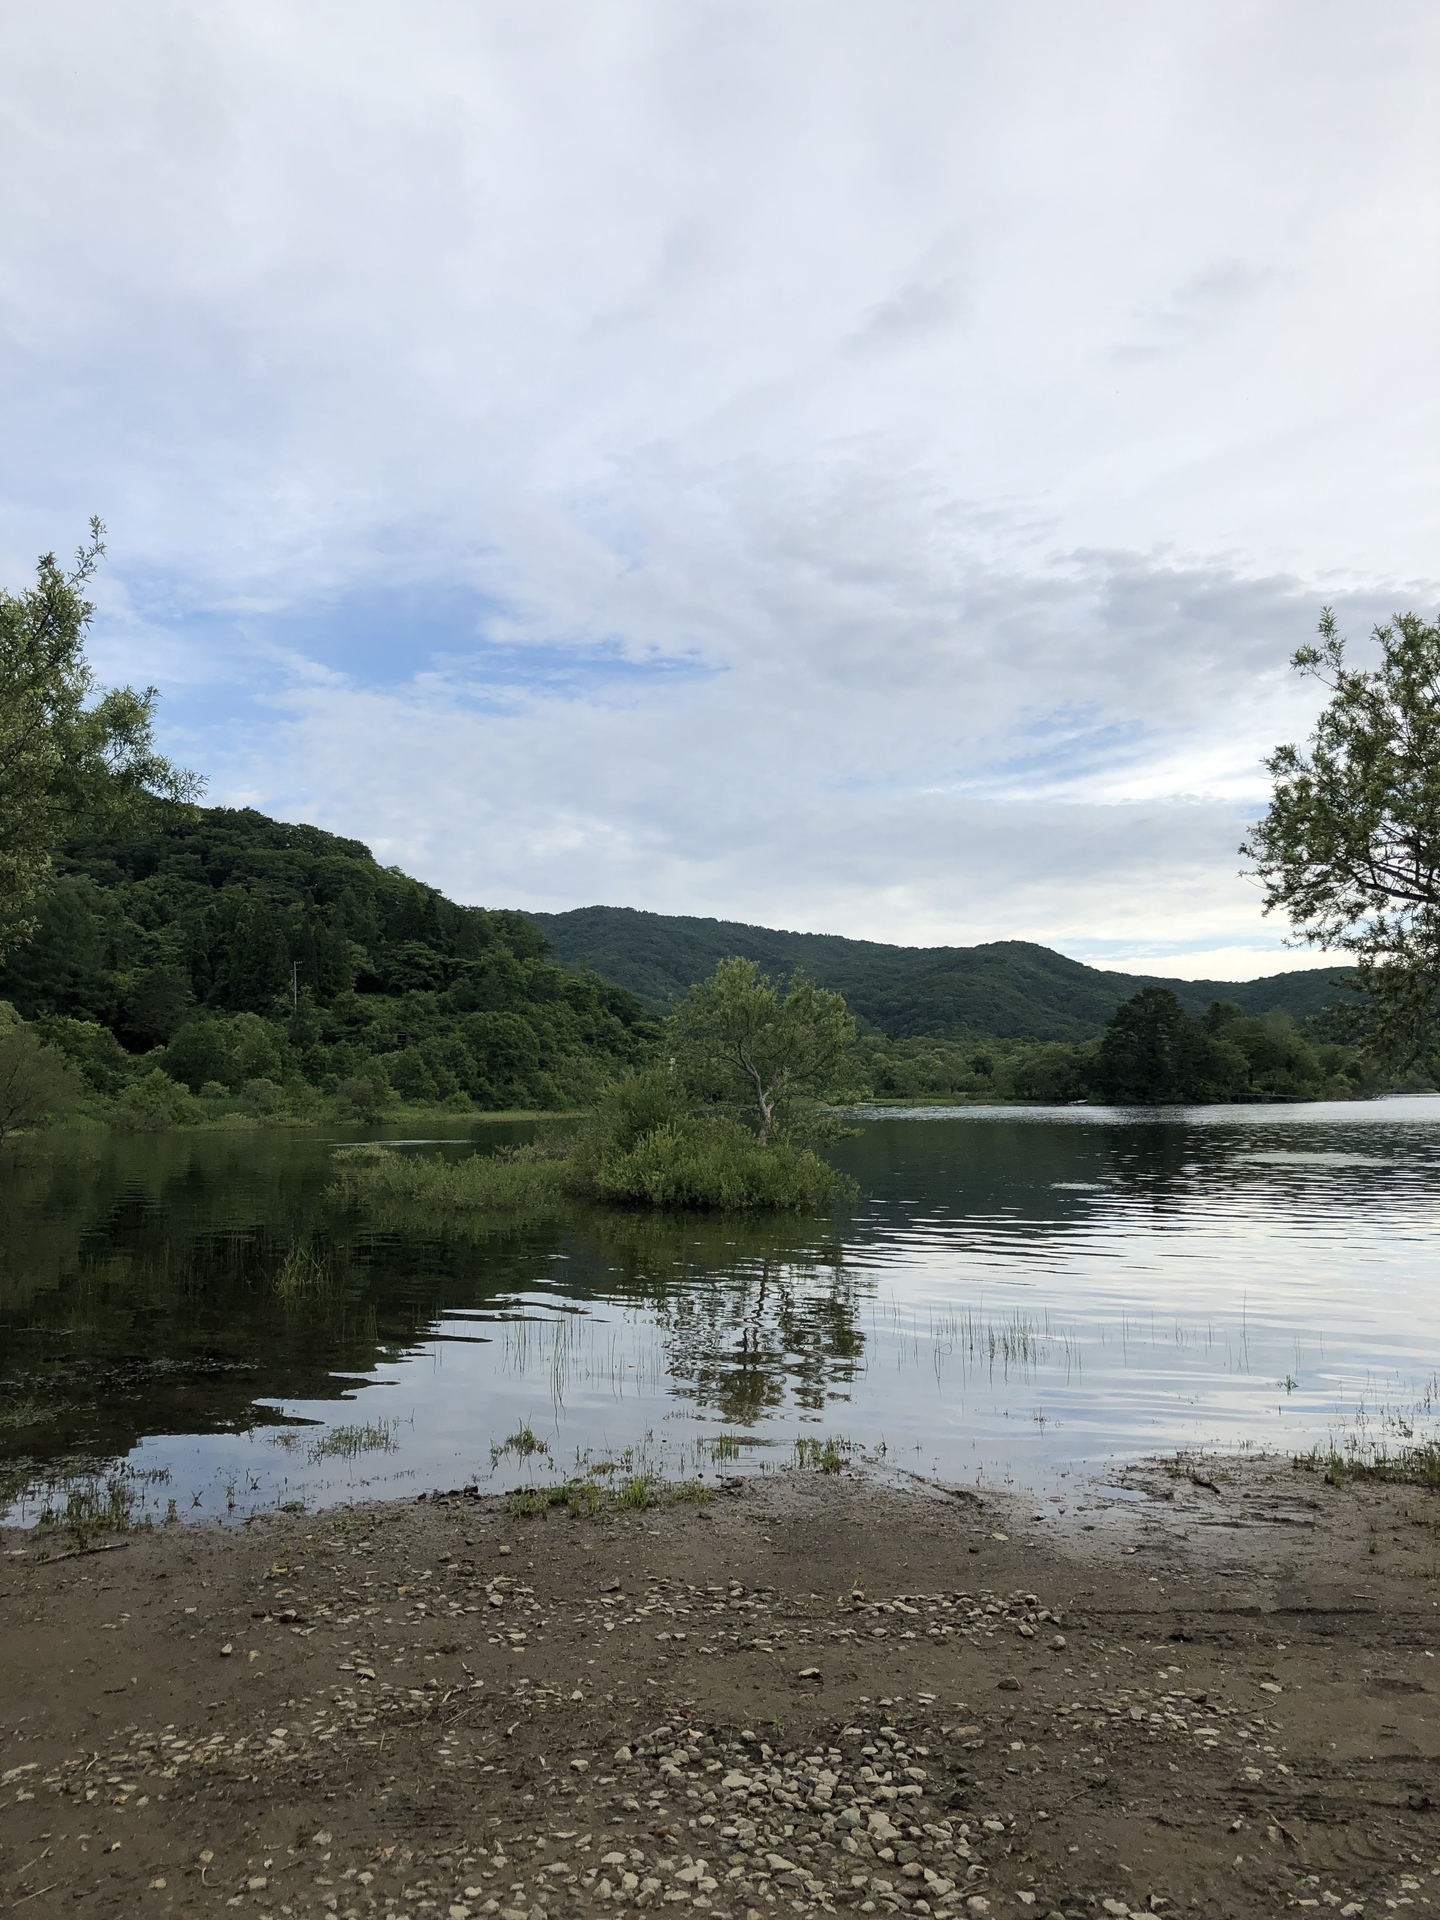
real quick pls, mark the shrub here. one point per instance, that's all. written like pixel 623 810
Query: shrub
pixel 362 1097
pixel 263 1097
pixel 36 1082
pixel 716 1163
pixel 155 1102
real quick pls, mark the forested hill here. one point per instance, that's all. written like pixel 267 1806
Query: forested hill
pixel 1008 988
pixel 229 949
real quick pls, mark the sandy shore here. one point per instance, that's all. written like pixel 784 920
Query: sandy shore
pixel 1211 1694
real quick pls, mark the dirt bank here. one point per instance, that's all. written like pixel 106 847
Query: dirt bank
pixel 811 1693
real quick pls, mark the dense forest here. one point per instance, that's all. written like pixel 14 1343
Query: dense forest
pixel 1008 989
pixel 239 955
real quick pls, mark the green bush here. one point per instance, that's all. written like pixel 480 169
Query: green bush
pixel 36 1082
pixel 263 1097
pixel 155 1102
pixel 715 1163
pixel 362 1097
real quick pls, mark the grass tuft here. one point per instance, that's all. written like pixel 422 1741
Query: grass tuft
pixel 1417 1466
pixel 348 1443
pixel 582 1498
pixel 826 1455
pixel 524 1443
pixel 301 1272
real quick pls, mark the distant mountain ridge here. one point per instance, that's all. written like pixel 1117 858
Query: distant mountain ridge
pixel 1005 988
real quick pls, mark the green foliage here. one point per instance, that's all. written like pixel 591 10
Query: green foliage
pixel 518 1180
pixel 1156 1052
pixel 229 949
pixel 1350 846
pixel 707 1162
pixel 37 1083
pixel 1153 1052
pixel 154 1102
pixel 1008 989
pixel 702 1161
pixel 757 1046
pixel 68 759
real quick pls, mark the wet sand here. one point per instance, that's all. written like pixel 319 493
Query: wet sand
pixel 1212 1691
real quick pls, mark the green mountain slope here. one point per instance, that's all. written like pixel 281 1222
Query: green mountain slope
pixel 1008 988
pixel 231 949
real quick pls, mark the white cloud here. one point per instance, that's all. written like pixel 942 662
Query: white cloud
pixel 850 466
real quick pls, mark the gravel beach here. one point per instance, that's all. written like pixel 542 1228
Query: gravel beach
pixel 1210 1688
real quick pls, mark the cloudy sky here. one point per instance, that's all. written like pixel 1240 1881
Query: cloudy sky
pixel 860 467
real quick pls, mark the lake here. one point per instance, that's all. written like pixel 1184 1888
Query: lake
pixel 1018 1295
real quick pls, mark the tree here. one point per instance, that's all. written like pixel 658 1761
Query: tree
pixel 36 1082
pixel 759 1044
pixel 69 761
pixel 1152 1053
pixel 1350 846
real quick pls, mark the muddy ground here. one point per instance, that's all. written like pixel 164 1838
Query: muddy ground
pixel 1212 1690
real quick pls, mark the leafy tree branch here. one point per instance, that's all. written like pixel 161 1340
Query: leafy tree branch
pixel 71 759
pixel 1350 846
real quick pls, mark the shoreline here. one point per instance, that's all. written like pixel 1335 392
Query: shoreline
pixel 1213 1692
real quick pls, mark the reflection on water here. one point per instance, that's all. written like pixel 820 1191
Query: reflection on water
pixel 1015 1292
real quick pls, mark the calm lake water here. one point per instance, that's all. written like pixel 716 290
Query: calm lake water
pixel 1016 1295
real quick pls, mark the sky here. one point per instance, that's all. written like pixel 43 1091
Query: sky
pixel 852 467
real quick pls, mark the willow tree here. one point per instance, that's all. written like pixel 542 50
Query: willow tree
pixel 73 758
pixel 759 1046
pixel 1350 846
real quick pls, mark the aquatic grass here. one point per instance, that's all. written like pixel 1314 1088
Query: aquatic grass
pixel 514 1180
pixel 523 1443
pixel 828 1456
pixel 348 1443
pixel 582 1498
pixel 1411 1466
pixel 92 1505
pixel 692 1493
pixel 27 1413
pixel 641 1490
pixel 302 1272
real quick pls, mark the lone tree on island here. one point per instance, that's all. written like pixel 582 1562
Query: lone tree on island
pixel 760 1045
pixel 1350 847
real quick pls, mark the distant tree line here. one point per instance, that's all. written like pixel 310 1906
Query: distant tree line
pixel 1151 1052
